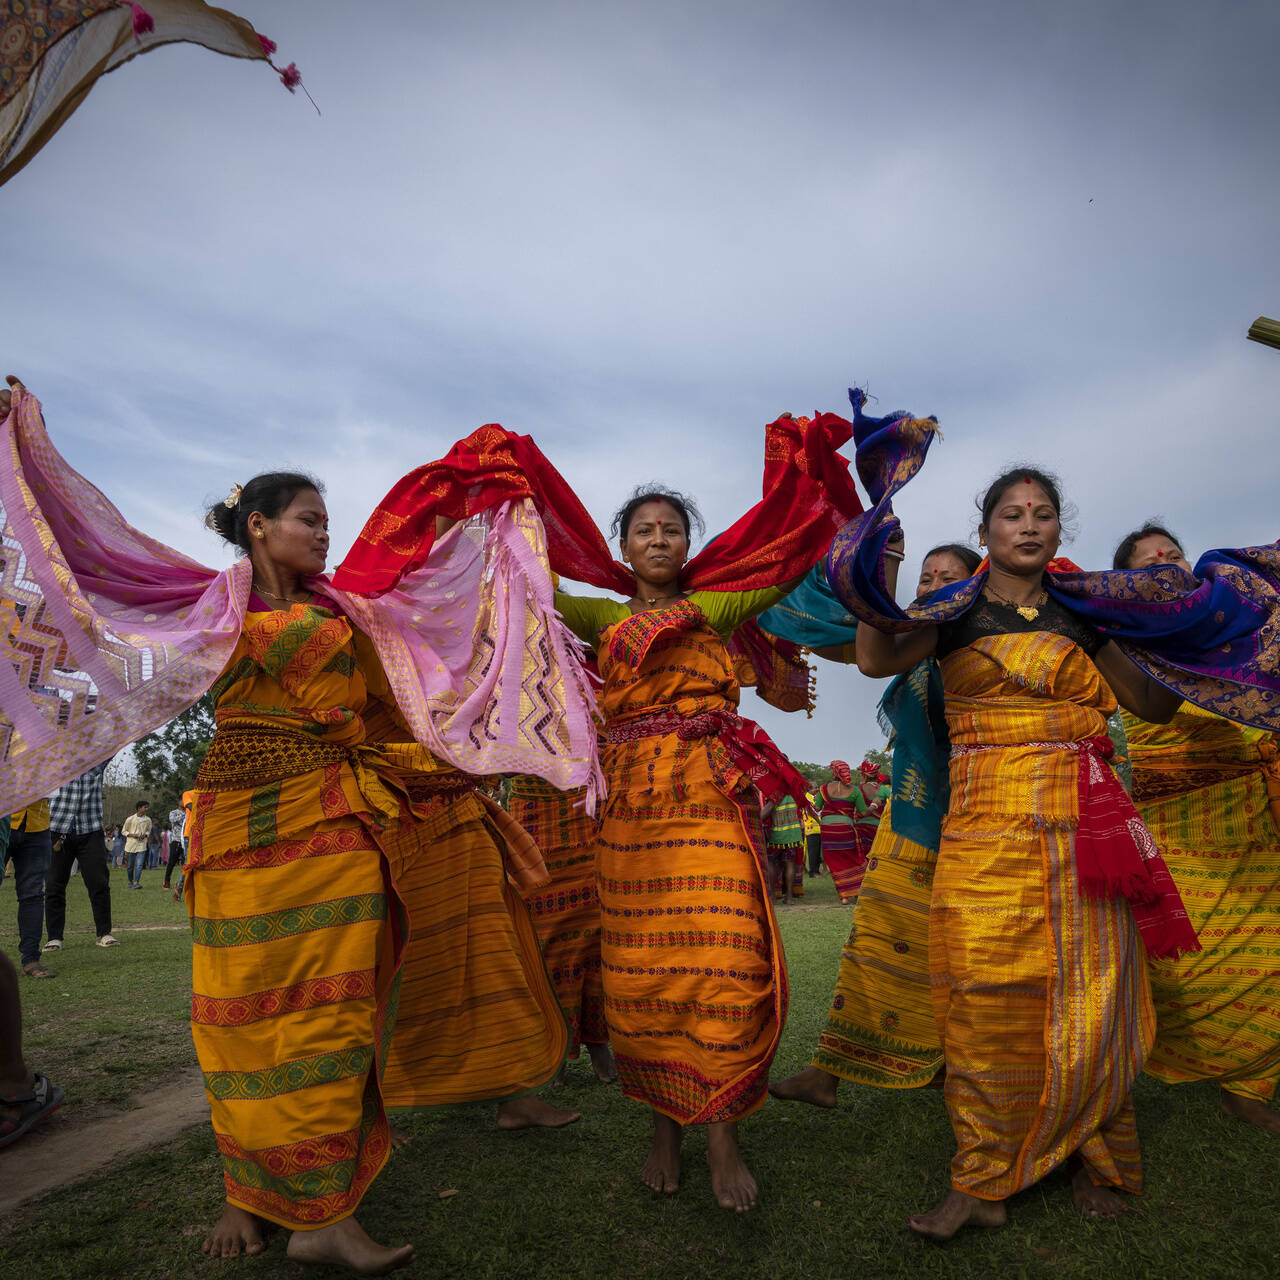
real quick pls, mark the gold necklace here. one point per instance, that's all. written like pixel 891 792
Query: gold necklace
pixel 652 600
pixel 262 591
pixel 1029 611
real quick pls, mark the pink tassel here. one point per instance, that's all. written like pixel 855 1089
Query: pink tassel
pixel 291 77
pixel 268 45
pixel 143 22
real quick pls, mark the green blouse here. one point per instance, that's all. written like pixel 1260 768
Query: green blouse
pixel 726 611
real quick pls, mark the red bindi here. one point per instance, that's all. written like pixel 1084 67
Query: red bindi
pixel 1160 554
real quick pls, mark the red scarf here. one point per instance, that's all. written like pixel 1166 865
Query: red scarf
pixel 808 495
pixel 1115 854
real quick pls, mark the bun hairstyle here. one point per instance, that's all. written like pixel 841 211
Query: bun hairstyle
pixel 1129 544
pixel 966 555
pixel 270 494
pixel 687 508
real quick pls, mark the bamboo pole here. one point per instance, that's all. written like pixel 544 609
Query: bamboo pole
pixel 1266 331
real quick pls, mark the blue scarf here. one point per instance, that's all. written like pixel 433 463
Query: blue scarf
pixel 1212 635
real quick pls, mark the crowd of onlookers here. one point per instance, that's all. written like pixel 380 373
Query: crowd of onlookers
pixel 49 842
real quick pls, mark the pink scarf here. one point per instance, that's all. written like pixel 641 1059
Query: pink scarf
pixel 109 634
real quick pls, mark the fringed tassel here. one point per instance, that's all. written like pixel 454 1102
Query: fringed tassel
pixel 143 22
pixel 290 76
pixel 915 429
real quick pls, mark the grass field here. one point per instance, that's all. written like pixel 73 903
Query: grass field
pixel 837 1184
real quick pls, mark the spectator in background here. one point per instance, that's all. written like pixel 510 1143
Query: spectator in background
pixel 117 846
pixel 177 821
pixel 75 824
pixel 29 849
pixel 153 848
pixel 137 828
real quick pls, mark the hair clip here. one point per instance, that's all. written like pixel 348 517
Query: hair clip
pixel 233 498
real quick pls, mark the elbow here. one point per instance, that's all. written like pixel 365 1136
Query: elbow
pixel 869 666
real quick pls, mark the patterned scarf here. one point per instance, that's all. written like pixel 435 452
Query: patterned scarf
pixel 109 634
pixel 51 56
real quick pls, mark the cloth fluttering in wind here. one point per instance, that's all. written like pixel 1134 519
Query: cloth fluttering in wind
pixel 51 55
pixel 807 495
pixel 108 634
pixel 1211 635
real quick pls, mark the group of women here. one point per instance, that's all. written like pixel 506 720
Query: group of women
pixel 371 932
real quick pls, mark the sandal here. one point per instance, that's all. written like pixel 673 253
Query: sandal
pixel 36 970
pixel 43 1100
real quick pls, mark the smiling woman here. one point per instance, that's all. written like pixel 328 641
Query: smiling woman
pixel 333 815
pixel 1046 880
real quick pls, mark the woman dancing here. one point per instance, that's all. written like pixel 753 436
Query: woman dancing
pixel 694 981
pixel 317 810
pixel 881 1028
pixel 1042 998
pixel 1209 790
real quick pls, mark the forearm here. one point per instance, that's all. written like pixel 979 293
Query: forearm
pixel 1136 691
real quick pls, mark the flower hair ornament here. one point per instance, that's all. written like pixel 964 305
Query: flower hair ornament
pixel 231 502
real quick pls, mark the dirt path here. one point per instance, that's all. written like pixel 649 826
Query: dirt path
pixel 60 1152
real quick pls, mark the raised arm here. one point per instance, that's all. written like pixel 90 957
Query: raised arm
pixel 880 655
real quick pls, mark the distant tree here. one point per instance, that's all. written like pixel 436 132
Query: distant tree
pixel 119 790
pixel 814 774
pixel 166 761
pixel 883 759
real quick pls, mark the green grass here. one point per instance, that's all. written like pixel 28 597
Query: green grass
pixel 837 1184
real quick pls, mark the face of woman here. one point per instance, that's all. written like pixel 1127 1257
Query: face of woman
pixel 1157 549
pixel 938 570
pixel 656 545
pixel 1024 531
pixel 297 540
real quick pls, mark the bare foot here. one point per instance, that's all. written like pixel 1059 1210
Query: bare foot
pixel 731 1180
pixel 1094 1201
pixel 1250 1110
pixel 237 1231
pixel 813 1085
pixel 958 1210
pixel 532 1113
pixel 347 1244
pixel 602 1063
pixel 661 1171
pixel 399 1139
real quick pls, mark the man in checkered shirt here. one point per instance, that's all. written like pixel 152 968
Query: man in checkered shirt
pixel 75 823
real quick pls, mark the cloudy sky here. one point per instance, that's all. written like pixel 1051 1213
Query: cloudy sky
pixel 639 232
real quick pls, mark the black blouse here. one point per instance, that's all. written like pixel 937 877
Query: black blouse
pixel 991 618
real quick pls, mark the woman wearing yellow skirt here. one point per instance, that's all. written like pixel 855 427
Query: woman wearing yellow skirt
pixel 1209 790
pixel 357 944
pixel 1040 991
pixel 881 1028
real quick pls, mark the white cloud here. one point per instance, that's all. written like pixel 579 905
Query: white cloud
pixel 640 232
